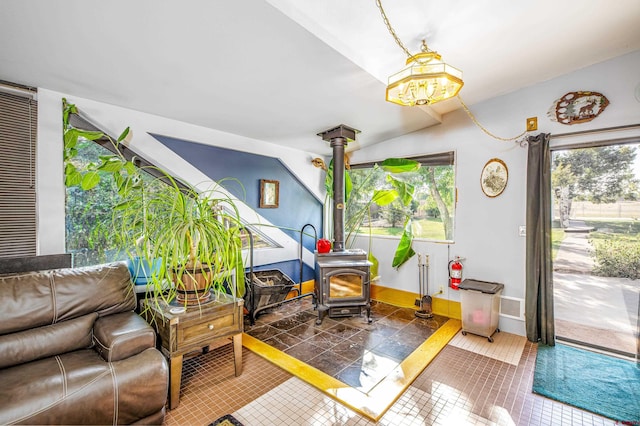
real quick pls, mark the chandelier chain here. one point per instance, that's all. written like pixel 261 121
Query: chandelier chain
pixel 477 123
pixel 393 33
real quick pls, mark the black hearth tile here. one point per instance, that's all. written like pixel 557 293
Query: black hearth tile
pixel 304 330
pixel 395 349
pixel 416 329
pixel 269 315
pixel 393 322
pixel 303 317
pixel 358 322
pixel 286 323
pixel 324 339
pixel 404 314
pixel 289 307
pixel 434 322
pixel 326 322
pixel 329 363
pixel 382 309
pixel 384 330
pixel 349 350
pixel 377 365
pixel 412 341
pixel 343 330
pixel 362 379
pixel 262 332
pixel 304 351
pixel 367 339
pixel 282 341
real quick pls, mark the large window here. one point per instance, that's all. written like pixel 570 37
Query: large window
pixel 90 213
pixel 431 208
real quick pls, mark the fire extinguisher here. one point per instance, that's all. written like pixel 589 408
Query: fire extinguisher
pixel 455 273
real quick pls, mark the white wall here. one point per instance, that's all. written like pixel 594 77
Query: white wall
pixel 486 229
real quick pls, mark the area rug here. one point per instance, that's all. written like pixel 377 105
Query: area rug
pixel 226 420
pixel 591 381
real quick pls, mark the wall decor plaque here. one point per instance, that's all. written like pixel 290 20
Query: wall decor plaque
pixel 578 107
pixel 494 177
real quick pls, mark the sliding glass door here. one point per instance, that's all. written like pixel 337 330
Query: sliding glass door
pixel 596 246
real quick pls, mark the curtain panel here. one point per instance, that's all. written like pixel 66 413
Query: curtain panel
pixel 539 273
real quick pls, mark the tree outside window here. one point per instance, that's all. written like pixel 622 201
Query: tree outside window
pixel 432 207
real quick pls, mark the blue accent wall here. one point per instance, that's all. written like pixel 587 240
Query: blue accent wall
pixel 297 205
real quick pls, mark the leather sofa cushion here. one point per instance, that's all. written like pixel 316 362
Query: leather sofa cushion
pixel 47 297
pixel 122 335
pixel 80 388
pixel 42 342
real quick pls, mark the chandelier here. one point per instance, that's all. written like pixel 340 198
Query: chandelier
pixel 425 80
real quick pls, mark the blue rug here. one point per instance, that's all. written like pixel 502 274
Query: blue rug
pixel 594 382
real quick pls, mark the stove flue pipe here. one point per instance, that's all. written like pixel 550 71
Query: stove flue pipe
pixel 338 139
pixel 338 145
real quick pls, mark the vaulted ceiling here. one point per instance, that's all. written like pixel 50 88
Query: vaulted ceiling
pixel 283 70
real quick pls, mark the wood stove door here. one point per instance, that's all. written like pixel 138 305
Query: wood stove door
pixel 346 286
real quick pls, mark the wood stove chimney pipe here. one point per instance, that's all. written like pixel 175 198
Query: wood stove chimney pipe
pixel 338 138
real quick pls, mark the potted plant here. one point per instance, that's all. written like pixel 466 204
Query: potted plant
pixel 197 236
pixel 190 236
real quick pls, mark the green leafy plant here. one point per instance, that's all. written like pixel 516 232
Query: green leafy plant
pixel 194 233
pixel 399 194
pixel 615 258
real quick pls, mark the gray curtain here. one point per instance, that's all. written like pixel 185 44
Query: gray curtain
pixel 539 273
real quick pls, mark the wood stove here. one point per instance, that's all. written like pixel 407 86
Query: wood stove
pixel 342 277
pixel 342 284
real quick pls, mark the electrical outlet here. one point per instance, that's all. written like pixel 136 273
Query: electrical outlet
pixel 441 289
pixel 417 302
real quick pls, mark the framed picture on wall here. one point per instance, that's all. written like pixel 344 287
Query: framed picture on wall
pixel 494 177
pixel 269 194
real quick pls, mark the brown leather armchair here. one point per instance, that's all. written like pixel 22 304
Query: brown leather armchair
pixel 73 351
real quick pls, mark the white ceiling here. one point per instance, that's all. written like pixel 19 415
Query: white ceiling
pixel 284 70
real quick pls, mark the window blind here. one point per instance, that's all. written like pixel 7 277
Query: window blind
pixel 18 130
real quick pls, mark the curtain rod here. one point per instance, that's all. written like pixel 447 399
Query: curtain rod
pixel 603 130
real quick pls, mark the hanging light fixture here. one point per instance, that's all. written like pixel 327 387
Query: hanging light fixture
pixel 425 80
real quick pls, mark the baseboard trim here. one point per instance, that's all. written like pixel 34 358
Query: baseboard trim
pixel 406 299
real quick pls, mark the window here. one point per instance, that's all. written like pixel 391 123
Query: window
pixel 89 213
pixel 18 127
pixel 431 209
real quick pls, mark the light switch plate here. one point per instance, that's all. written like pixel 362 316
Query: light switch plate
pixel 522 231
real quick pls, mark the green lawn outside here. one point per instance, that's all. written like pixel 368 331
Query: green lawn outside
pixel 429 229
pixel 623 230
pixel 557 235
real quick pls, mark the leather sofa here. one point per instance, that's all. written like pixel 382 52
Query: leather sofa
pixel 73 351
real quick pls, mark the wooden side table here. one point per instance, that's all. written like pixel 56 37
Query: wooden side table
pixel 195 329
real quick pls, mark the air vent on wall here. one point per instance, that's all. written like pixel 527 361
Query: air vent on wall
pixel 512 307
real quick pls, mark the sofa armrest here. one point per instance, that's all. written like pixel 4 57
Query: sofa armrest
pixel 122 335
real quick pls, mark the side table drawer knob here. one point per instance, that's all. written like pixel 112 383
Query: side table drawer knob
pixel 210 326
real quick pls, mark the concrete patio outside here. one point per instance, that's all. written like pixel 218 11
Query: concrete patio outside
pixel 601 311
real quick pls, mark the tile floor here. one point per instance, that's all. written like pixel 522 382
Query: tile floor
pixel 349 349
pixel 468 383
